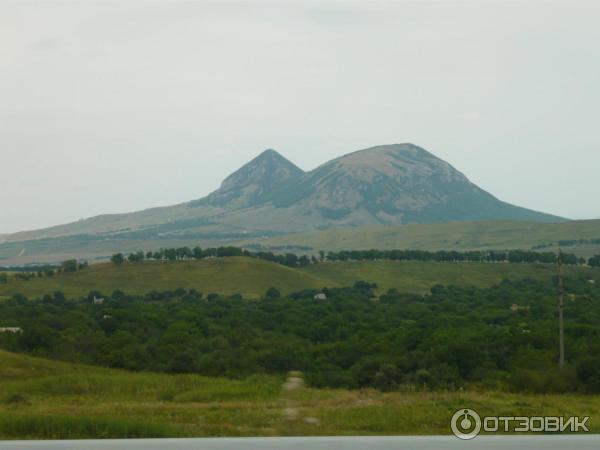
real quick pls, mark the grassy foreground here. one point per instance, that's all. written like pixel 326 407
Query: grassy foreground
pixel 252 277
pixel 42 399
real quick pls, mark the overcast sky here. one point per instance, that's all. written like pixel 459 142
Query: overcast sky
pixel 115 106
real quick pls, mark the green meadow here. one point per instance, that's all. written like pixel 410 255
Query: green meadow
pixel 42 399
pixel 252 277
pixel 458 236
pixel 420 276
pixel 246 276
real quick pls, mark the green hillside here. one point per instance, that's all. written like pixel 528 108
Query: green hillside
pixel 385 184
pixel 420 276
pixel 498 235
pixel 449 236
pixel 42 399
pixel 246 276
pixel 252 277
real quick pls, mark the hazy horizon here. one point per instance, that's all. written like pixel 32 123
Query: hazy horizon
pixel 111 107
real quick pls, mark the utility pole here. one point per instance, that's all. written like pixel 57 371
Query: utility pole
pixel 561 304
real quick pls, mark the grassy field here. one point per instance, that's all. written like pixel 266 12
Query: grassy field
pixel 417 276
pixel 49 399
pixel 252 277
pixel 249 277
pixel 500 235
pixel 448 236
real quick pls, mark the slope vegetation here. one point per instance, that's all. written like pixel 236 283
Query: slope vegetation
pixel 235 275
pixel 42 399
pixel 497 235
pixel 421 276
pixel 252 277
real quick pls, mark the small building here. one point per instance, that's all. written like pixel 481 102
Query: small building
pixel 592 281
pixel 11 330
pixel 516 307
pixel 320 296
pixel 98 301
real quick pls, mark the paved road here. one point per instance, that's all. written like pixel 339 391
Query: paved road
pixel 572 442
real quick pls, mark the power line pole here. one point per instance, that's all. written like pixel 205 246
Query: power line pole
pixel 561 304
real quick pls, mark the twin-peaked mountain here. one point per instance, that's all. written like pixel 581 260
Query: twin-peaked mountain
pixel 389 184
pixel 383 185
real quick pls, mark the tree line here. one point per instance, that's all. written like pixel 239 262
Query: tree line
pixel 26 273
pixel 508 256
pixel 293 260
pixel 186 253
pixel 569 243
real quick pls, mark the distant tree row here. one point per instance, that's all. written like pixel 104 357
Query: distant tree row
pixel 29 268
pixel 187 253
pixel 568 243
pixel 25 273
pixel 510 256
pixel 293 260
pixel 572 242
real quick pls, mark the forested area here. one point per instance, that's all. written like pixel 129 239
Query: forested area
pixel 503 337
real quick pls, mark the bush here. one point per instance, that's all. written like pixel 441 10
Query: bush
pixel 117 258
pixel 15 399
pixel 272 293
pixel 588 372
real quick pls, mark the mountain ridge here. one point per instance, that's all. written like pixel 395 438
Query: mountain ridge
pixel 391 184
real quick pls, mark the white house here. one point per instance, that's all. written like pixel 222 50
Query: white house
pixel 320 296
pixel 11 330
pixel 98 301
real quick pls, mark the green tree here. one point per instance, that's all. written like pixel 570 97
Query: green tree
pixel 594 261
pixel 69 266
pixel 117 258
pixel 136 257
pixel 272 293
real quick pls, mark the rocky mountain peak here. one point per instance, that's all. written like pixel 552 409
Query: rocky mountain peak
pixel 254 182
pixel 398 161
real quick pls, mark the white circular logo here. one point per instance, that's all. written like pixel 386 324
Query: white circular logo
pixel 465 424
